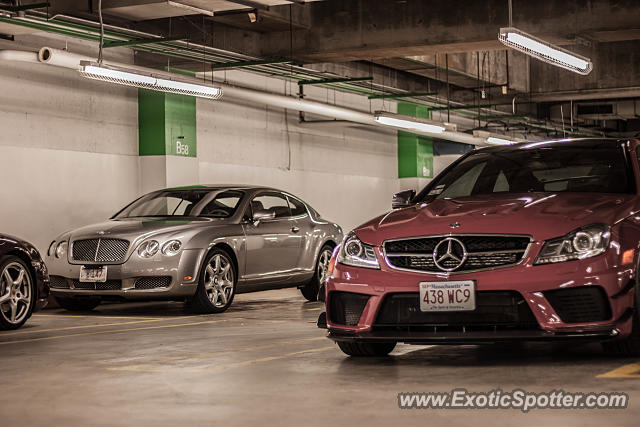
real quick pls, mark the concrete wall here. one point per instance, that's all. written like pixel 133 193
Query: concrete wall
pixel 347 173
pixel 69 149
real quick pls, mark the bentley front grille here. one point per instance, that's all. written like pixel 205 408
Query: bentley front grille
pixel 100 250
pixel 456 253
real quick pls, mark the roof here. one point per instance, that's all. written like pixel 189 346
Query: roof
pixel 219 187
pixel 579 142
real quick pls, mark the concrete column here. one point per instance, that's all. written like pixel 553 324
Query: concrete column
pixel 167 140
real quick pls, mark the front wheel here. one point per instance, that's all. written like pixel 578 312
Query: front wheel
pixel 366 349
pixel 17 292
pixel 217 284
pixel 311 289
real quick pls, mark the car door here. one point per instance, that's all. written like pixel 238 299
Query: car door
pixel 307 231
pixel 272 245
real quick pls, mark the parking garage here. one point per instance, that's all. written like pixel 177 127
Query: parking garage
pixel 319 212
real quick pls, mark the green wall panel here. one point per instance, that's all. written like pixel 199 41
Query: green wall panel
pixel 166 124
pixel 415 152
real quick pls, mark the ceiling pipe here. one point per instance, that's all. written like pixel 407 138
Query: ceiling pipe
pixel 19 55
pixel 64 59
pixel 587 94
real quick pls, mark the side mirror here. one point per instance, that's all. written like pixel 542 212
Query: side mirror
pixel 402 199
pixel 262 215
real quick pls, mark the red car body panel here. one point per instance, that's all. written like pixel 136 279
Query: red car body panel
pixel 542 216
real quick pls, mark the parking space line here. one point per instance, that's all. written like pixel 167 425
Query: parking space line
pixel 112 331
pixel 627 371
pixel 98 325
pixel 98 316
pixel 222 367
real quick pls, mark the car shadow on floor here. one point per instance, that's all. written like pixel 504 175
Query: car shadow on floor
pixel 490 355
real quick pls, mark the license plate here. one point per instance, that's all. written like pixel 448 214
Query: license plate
pixel 93 274
pixel 448 296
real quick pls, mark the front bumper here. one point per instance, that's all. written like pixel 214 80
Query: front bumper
pixel 123 279
pixel 532 284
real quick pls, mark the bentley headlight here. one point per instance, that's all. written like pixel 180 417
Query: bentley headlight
pixel 51 248
pixel 61 250
pixel 172 247
pixel 585 242
pixel 357 254
pixel 148 249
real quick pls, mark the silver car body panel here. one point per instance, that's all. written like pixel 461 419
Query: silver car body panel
pixel 273 253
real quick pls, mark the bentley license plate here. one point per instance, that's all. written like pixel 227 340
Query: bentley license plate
pixel 448 296
pixel 93 274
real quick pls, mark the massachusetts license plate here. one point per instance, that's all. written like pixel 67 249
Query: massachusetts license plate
pixel 93 274
pixel 448 296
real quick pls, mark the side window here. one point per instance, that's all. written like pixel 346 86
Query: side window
pixel 297 207
pixel 274 202
pixel 502 184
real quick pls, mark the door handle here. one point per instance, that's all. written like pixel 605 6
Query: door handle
pixel 295 229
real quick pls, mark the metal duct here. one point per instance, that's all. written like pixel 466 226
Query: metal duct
pixel 65 59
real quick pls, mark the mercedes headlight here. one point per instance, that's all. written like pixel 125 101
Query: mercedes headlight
pixel 585 242
pixel 61 250
pixel 357 254
pixel 172 247
pixel 148 249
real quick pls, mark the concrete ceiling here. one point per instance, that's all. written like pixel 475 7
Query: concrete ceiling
pixel 450 47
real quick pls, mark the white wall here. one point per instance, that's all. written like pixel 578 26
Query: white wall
pixel 347 173
pixel 68 147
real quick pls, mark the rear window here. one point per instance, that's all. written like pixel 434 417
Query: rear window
pixel 566 167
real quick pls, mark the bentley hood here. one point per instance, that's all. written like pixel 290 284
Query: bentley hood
pixel 541 215
pixel 134 228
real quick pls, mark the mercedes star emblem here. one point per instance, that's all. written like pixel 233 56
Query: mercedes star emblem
pixel 449 254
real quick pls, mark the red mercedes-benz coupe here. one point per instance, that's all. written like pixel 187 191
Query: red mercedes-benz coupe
pixel 534 241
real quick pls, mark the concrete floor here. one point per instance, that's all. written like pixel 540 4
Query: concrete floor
pixel 265 363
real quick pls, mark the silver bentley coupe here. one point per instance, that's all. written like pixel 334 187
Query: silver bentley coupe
pixel 201 244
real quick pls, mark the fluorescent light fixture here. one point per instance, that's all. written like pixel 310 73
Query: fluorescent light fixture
pixel 128 78
pixel 408 122
pixel 544 51
pixel 496 138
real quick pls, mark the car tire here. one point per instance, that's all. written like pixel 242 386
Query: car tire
pixel 365 349
pixel 629 346
pixel 310 290
pixel 78 303
pixel 216 284
pixel 17 292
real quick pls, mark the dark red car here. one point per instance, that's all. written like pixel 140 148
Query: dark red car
pixel 534 241
pixel 24 282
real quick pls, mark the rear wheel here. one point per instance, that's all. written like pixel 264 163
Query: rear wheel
pixel 366 349
pixel 78 303
pixel 217 284
pixel 311 289
pixel 629 346
pixel 17 292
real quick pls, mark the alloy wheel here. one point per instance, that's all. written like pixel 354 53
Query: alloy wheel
pixel 15 293
pixel 218 280
pixel 323 265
